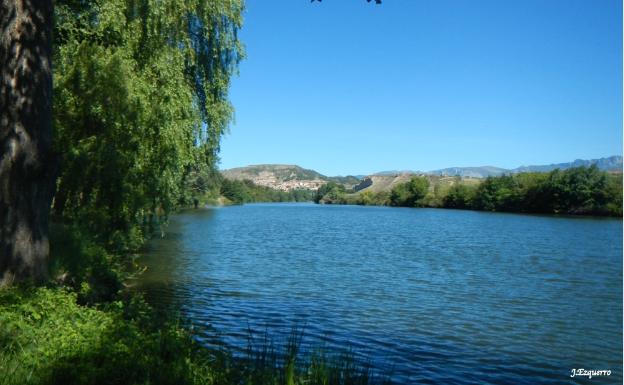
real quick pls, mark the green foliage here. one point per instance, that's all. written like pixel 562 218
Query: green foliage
pixel 369 198
pixel 582 190
pixel 140 104
pixel 330 193
pixel 334 193
pixel 496 192
pixel 47 338
pixel 246 191
pixel 409 194
pixel 434 197
pixel 40 327
pixel 613 192
pixel 80 264
pixel 460 196
pixel 201 185
pixel 264 364
pixel 235 191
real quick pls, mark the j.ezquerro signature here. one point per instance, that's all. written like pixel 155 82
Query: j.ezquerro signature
pixel 589 373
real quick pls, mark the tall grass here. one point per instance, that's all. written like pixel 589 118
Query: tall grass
pixel 294 363
pixel 46 337
pixel 86 328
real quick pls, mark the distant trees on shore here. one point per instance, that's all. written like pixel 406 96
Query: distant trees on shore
pixel 411 193
pixel 246 192
pixel 331 192
pixel 579 191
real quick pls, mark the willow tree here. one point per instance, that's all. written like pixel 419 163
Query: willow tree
pixel 141 94
pixel 26 161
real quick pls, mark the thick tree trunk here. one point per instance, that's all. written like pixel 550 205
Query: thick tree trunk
pixel 26 161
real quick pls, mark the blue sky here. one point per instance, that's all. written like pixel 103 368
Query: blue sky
pixel 350 87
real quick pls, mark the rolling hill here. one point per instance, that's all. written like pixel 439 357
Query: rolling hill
pixel 288 177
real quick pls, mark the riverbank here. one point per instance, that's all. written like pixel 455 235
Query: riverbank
pixel 575 191
pixel 46 337
pixel 87 325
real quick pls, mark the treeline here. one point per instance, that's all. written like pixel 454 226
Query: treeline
pixel 577 191
pixel 207 186
pixel 246 192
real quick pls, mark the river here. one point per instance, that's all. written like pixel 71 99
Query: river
pixel 430 295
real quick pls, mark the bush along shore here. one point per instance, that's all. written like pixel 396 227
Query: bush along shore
pixel 86 326
pixel 574 191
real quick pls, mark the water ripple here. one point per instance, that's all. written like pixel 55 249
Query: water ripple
pixel 435 296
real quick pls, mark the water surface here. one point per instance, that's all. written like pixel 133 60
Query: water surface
pixel 440 296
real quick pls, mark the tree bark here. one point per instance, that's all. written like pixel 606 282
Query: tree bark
pixel 26 160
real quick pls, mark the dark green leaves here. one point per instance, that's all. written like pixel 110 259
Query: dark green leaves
pixel 141 100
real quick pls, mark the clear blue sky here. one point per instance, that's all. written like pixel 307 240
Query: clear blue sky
pixel 350 87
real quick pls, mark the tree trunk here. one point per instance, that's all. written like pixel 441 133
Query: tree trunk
pixel 26 161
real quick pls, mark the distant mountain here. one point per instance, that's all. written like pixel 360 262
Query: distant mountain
pixel 612 163
pixel 396 172
pixel 471 172
pixel 286 176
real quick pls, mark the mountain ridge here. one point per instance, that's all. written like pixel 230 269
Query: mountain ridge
pixel 289 176
pixel 611 163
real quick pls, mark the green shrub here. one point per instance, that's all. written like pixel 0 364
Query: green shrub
pixel 46 337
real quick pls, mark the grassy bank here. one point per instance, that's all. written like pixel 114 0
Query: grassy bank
pixel 87 327
pixel 46 337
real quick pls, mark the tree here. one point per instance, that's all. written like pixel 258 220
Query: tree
pixel 409 194
pixel 141 103
pixel 330 192
pixel 141 97
pixel 26 158
pixel 579 190
pixel 459 196
pixel 418 186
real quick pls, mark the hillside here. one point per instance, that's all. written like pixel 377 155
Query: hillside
pixel 384 183
pixel 286 177
pixel 377 183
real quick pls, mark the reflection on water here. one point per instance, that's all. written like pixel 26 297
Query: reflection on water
pixel 441 296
